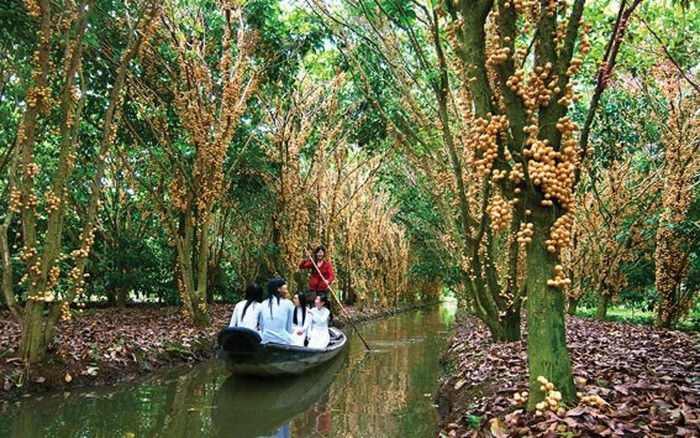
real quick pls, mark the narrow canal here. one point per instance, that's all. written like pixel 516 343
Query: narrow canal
pixel 385 393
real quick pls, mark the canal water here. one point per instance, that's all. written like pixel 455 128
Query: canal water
pixel 387 392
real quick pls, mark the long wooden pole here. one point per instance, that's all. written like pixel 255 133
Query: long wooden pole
pixel 338 301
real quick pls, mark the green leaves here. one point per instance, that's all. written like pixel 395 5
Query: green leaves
pixel 400 11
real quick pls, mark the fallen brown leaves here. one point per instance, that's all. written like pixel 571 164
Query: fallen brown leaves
pixel 107 345
pixel 648 378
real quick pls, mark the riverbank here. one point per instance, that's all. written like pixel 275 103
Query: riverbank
pixel 102 346
pixel 635 381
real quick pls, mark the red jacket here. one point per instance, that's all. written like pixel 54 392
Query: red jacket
pixel 316 283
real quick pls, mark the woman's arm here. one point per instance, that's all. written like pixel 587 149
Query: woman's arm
pixel 234 318
pixel 290 316
pixel 322 315
pixel 330 276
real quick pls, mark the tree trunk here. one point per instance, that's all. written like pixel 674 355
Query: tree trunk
pixel 32 347
pixel 601 311
pixel 7 288
pixel 199 300
pixel 121 297
pixel 213 279
pixel 671 267
pixel 350 296
pixel 546 344
pixel 193 270
pixel 572 306
pixel 507 328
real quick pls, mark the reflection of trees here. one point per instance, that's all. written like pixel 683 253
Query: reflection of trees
pixel 159 407
pixel 190 406
pixel 393 381
pixel 25 426
pixel 250 407
pixel 319 412
pixel 177 418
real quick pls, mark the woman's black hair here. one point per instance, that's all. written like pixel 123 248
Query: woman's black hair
pixel 320 248
pixel 272 290
pixel 302 302
pixel 253 293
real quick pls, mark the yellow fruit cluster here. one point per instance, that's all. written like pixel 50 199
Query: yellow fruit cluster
pixel 524 235
pixel 39 96
pixel 593 400
pixel 65 311
pixel 27 253
pixel 35 269
pixel 54 274
pixel 77 279
pixel 552 398
pixel 560 233
pixel 486 140
pixel 32 170
pixel 80 253
pixel 500 213
pixel 560 279
pixel 15 200
pixel 498 56
pixel 179 194
pixel 32 202
pixel 33 8
pixel 53 202
pixel 519 398
pixel 521 6
pixel 516 175
pixel 553 171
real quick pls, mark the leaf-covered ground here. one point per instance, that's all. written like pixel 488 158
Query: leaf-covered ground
pixel 647 383
pixel 107 345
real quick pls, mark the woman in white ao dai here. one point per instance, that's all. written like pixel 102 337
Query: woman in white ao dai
pixel 300 320
pixel 247 312
pixel 318 328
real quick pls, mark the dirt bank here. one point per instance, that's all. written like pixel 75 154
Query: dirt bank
pixel 635 381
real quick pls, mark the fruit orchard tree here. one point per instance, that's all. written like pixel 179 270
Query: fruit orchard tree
pixel 518 59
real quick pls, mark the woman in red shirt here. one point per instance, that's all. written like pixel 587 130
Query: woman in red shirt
pixel 317 285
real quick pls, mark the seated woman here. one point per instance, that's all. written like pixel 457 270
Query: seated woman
pixel 299 320
pixel 247 312
pixel 318 328
pixel 276 314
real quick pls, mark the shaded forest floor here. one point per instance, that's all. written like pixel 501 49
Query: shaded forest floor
pixel 108 345
pixel 647 381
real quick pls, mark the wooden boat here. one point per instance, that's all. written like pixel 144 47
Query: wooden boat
pixel 245 355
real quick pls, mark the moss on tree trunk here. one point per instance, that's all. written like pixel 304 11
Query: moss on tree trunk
pixel 601 311
pixel 546 344
pixel 31 347
pixel 507 328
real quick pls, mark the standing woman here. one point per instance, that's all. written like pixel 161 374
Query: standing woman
pixel 299 320
pixel 276 314
pixel 247 312
pixel 318 328
pixel 317 285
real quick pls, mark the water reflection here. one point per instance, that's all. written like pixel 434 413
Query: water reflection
pixel 393 394
pixel 255 407
pixel 387 392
